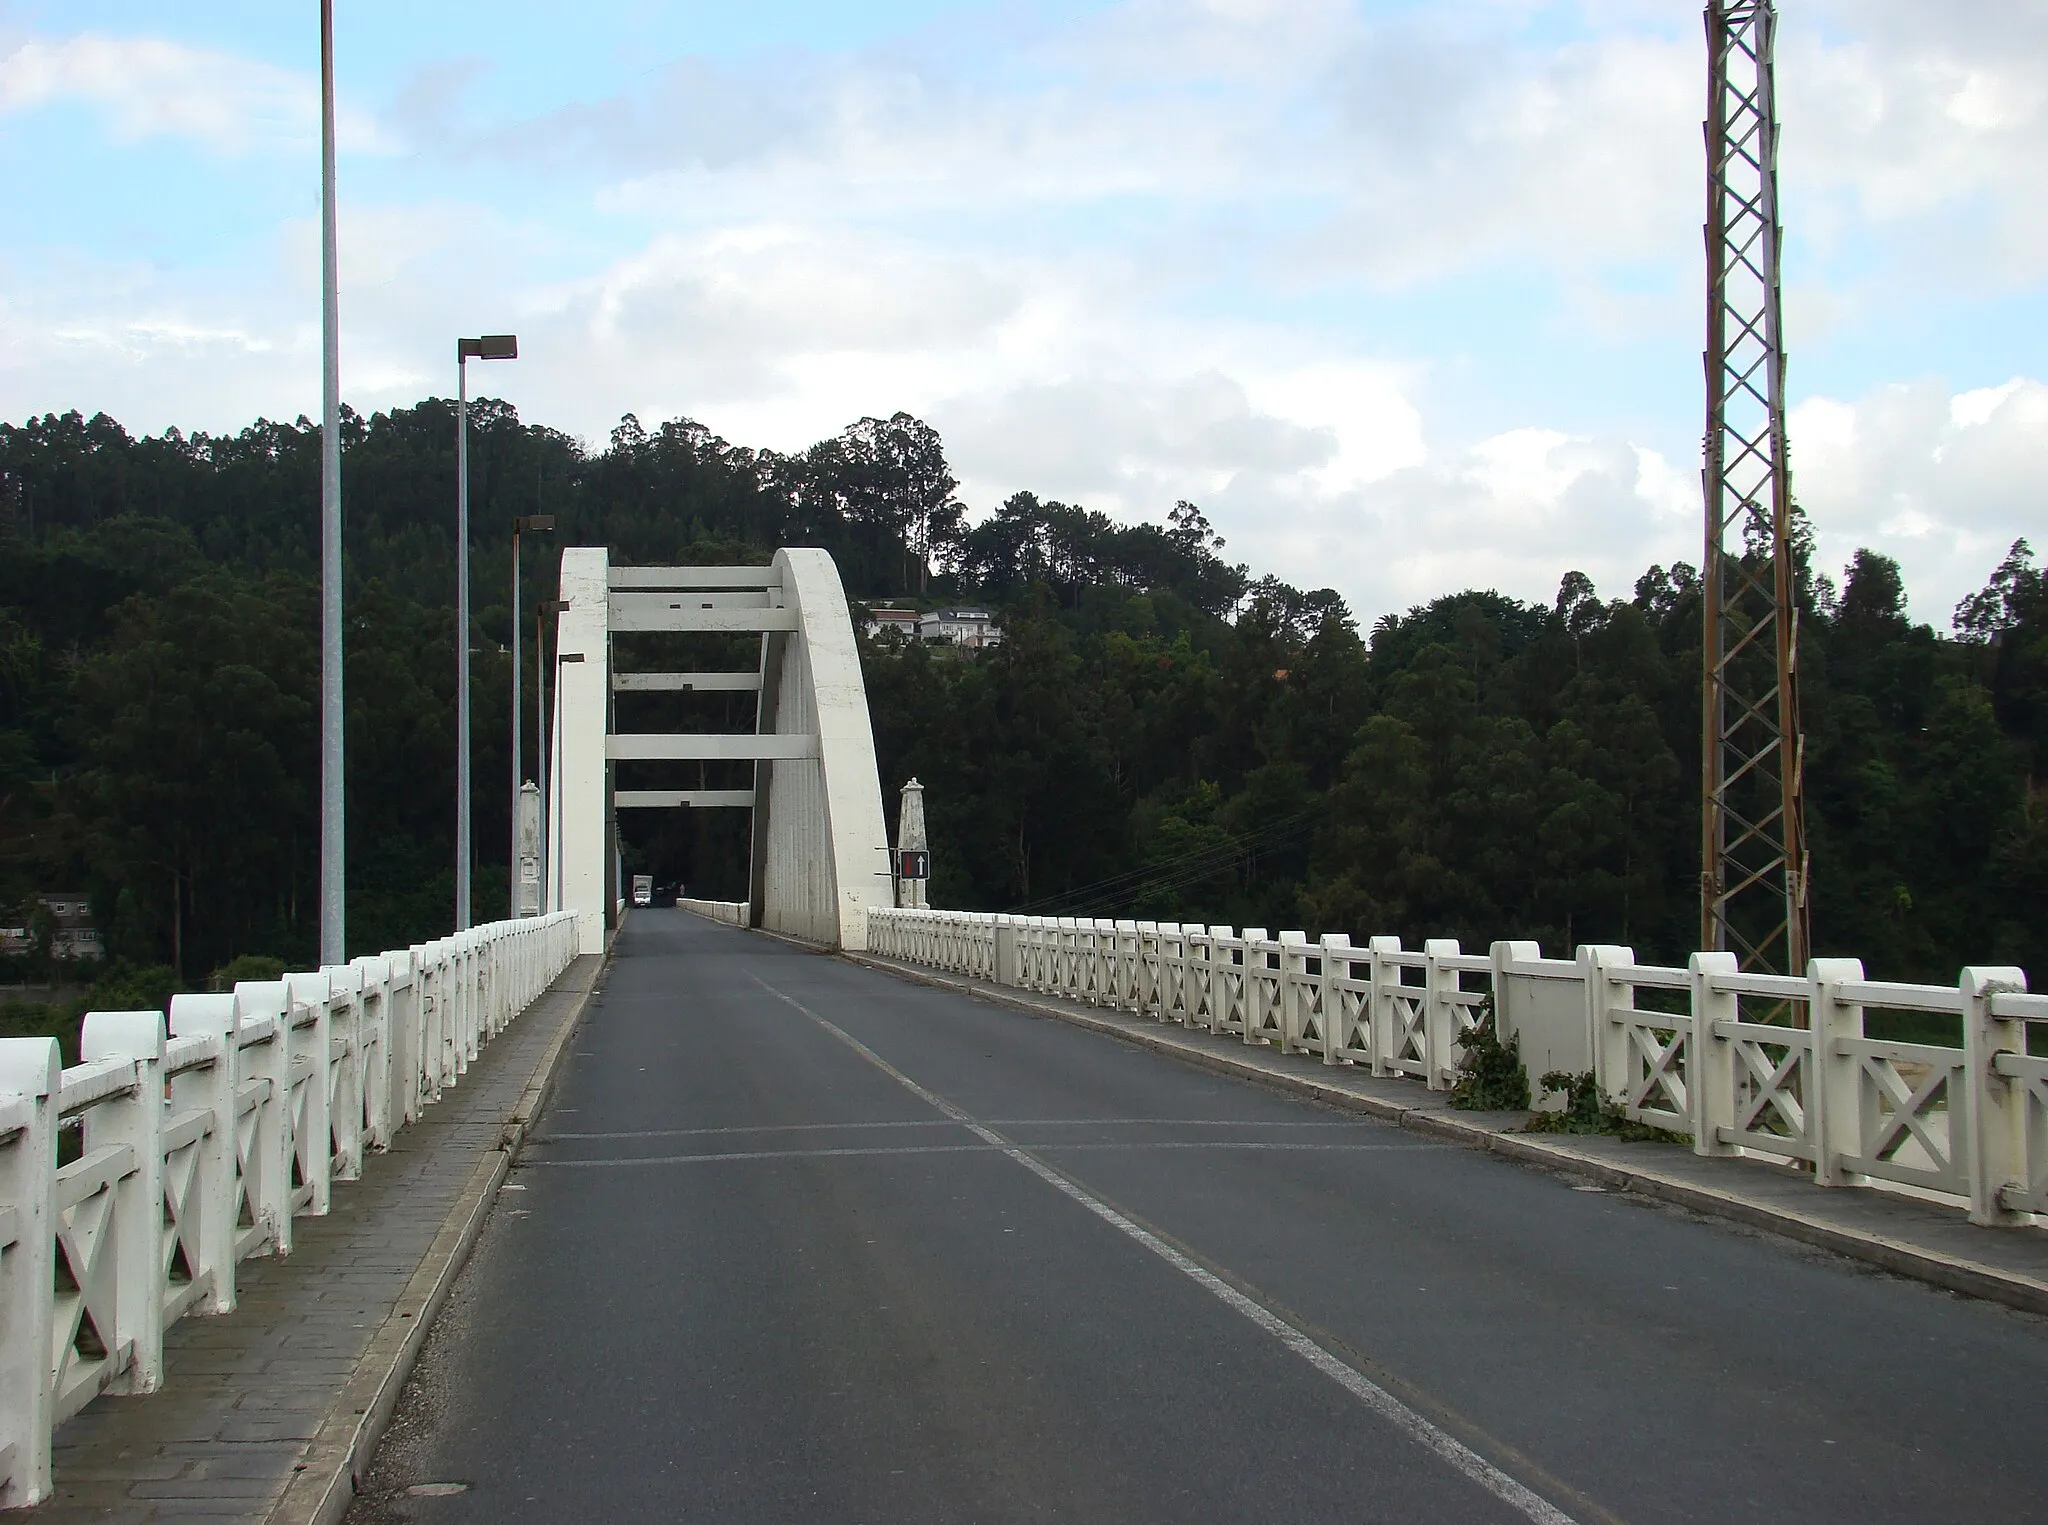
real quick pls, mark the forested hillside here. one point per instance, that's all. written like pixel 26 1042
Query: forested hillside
pixel 1161 734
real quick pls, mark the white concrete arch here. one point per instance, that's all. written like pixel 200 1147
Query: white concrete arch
pixel 820 847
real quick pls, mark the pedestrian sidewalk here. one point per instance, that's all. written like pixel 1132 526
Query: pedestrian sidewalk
pixel 268 1412
pixel 1910 1237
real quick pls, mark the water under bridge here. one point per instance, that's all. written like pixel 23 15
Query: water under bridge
pixel 811 1207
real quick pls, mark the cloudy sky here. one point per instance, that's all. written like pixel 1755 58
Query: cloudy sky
pixel 1407 296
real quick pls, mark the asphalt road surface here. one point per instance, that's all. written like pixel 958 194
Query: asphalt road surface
pixel 801 1241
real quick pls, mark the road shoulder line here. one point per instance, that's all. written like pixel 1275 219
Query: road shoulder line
pixel 1899 1256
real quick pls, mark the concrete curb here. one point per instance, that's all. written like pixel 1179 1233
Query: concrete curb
pixel 338 1456
pixel 1951 1272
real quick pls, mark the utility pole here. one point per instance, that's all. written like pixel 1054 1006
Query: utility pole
pixel 333 838
pixel 1754 866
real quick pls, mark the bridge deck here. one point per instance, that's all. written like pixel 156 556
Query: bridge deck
pixel 798 1240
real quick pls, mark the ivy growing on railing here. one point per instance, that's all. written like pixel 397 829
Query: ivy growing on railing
pixel 1587 1111
pixel 1491 1077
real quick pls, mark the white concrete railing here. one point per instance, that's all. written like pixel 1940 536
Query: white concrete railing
pixel 732 912
pixel 1776 1066
pixel 197 1147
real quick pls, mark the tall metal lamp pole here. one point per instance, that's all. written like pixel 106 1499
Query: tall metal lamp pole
pixel 519 524
pixel 333 841
pixel 489 347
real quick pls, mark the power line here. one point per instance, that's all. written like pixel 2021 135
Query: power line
pixel 1172 873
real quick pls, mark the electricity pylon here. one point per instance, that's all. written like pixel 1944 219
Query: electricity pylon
pixel 1753 878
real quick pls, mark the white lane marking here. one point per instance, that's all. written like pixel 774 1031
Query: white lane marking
pixel 616 1162
pixel 922 1122
pixel 1137 1147
pixel 947 1122
pixel 1445 1445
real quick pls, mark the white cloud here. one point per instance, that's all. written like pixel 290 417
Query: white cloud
pixel 150 87
pixel 1139 256
pixel 1944 483
pixel 1514 512
pixel 1930 126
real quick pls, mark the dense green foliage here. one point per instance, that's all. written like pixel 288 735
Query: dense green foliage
pixel 1159 734
pixel 1479 768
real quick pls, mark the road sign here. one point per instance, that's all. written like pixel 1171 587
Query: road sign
pixel 914 865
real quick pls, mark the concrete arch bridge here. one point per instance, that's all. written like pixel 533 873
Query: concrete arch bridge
pixel 819 857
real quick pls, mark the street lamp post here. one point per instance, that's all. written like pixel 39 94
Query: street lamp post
pixel 542 743
pixel 333 838
pixel 489 347
pixel 562 659
pixel 521 523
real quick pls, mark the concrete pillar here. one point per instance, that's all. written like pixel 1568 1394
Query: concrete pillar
pixel 582 692
pixel 910 837
pixel 529 849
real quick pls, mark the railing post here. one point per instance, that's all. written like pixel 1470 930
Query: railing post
pixel 134 1120
pixel 1610 1037
pixel 345 1078
pixel 1336 950
pixel 1835 1112
pixel 1994 1110
pixel 1252 987
pixel 310 1043
pixel 266 1141
pixel 1440 1021
pixel 1711 1081
pixel 407 1061
pixel 212 1089
pixel 430 989
pixel 373 1025
pixel 1291 991
pixel 31 1076
pixel 1173 972
pixel 1380 1005
pixel 473 997
pixel 1198 975
pixel 1123 993
pixel 1007 971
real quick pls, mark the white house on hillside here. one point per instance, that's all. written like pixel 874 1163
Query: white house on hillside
pixel 972 628
pixel 903 621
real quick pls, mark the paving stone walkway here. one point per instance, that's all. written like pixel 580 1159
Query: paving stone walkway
pixel 246 1393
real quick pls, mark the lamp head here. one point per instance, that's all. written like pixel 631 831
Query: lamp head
pixel 489 347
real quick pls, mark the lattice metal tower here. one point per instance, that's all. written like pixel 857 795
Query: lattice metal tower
pixel 1753 877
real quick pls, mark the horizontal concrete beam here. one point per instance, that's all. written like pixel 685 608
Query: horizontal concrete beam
pixel 694 612
pixel 695 577
pixel 670 799
pixel 686 682
pixel 687 747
